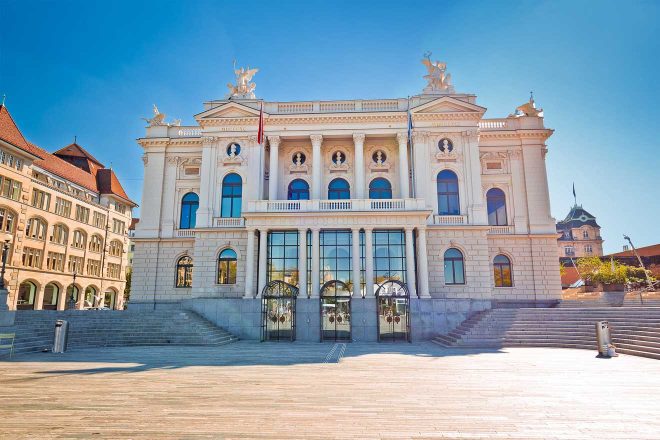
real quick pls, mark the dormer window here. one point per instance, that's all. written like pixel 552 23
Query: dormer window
pixel 585 234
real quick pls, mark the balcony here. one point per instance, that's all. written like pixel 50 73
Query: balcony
pixel 185 233
pixel 449 220
pixel 350 205
pixel 501 230
pixel 228 222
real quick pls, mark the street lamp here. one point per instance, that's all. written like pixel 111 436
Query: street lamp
pixel 5 251
pixel 72 302
pixel 641 264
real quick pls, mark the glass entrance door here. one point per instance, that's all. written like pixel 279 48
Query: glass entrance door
pixel 335 311
pixel 278 310
pixel 393 311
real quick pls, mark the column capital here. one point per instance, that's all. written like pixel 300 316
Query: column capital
pixel 316 139
pixel 358 138
pixel 274 141
pixel 402 137
pixel 315 228
pixel 303 229
pixel 409 228
pixel 368 228
pixel 420 136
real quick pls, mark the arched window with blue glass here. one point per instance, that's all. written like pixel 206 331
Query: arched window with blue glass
pixel 298 190
pixel 496 203
pixel 380 188
pixel 339 189
pixel 448 201
pixel 189 205
pixel 232 196
pixel 454 267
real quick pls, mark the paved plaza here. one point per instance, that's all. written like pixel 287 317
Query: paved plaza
pixel 318 391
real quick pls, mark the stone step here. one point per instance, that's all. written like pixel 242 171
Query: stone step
pixel 634 350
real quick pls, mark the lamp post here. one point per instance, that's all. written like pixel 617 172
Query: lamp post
pixel 648 279
pixel 5 251
pixel 72 302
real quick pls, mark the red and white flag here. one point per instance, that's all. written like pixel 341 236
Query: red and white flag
pixel 260 132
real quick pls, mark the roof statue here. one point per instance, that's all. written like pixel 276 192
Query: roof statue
pixel 439 81
pixel 159 120
pixel 528 109
pixel 243 89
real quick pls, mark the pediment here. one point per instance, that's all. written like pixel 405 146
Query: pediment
pixel 228 110
pixel 447 104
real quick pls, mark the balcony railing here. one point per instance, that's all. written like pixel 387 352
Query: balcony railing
pixel 500 230
pixel 185 232
pixel 355 205
pixel 228 222
pixel 449 220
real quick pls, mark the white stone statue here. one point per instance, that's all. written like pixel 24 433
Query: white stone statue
pixel 298 159
pixel 159 119
pixel 439 81
pixel 379 157
pixel 243 89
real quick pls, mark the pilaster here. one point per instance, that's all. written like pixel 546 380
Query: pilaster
pixel 402 139
pixel 358 169
pixel 317 140
pixel 274 142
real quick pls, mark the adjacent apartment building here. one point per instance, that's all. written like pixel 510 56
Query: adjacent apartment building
pixel 580 235
pixel 65 219
pixel 361 219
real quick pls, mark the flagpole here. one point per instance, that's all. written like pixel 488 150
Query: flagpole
pixel 411 152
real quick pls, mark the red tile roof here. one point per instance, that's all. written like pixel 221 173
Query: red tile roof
pixel 98 179
pixel 646 251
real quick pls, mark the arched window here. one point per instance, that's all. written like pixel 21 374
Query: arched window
pixel 79 239
pixel 189 205
pixel 298 190
pixel 90 297
pixel 36 228
pixel 448 203
pixel 232 196
pixel 7 220
pixel 339 189
pixel 110 298
pixel 502 271
pixel 454 270
pixel 184 270
pixel 227 267
pixel 496 201
pixel 51 295
pixel 71 296
pixel 380 188
pixel 27 292
pixel 60 234
pixel 96 243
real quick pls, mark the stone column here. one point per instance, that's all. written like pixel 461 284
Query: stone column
pixel 410 263
pixel 316 269
pixel 302 263
pixel 62 299
pixel 518 192
pixel 476 206
pixel 355 251
pixel 263 249
pixel 171 199
pixel 358 140
pixel 403 164
pixel 317 139
pixel 207 182
pixel 154 173
pixel 249 266
pixel 421 160
pixel 422 264
pixel 273 171
pixel 39 298
pixel 368 263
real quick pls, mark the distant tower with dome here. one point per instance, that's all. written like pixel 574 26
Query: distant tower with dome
pixel 580 235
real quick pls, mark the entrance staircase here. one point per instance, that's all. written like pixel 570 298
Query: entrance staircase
pixel 635 330
pixel 102 328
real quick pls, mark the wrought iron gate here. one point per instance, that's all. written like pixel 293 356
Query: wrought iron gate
pixel 393 320
pixel 335 311
pixel 278 311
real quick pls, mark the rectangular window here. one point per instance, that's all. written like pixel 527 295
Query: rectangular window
pixel 82 214
pixel 98 220
pixel 10 188
pixel 121 208
pixel 55 261
pixel 76 264
pixel 282 256
pixel 336 256
pixel 31 257
pixel 569 251
pixel 62 207
pixel 40 199
pixel 94 267
pixel 389 250
pixel 114 270
pixel 118 227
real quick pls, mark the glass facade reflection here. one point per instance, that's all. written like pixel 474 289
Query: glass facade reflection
pixel 389 249
pixel 282 257
pixel 336 258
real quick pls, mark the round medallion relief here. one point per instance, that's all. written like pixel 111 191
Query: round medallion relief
pixel 338 158
pixel 445 145
pixel 379 157
pixel 298 158
pixel 233 149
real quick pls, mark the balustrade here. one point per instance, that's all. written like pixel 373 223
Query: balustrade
pixel 498 230
pixel 356 205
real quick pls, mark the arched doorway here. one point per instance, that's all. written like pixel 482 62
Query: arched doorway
pixel 90 298
pixel 27 292
pixel 72 293
pixel 335 311
pixel 393 320
pixel 51 296
pixel 109 299
pixel 278 311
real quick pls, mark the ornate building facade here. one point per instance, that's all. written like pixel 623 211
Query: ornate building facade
pixel 64 218
pixel 366 219
pixel 580 235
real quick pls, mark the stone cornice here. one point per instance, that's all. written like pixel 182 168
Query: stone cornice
pixel 517 134
pixel 453 116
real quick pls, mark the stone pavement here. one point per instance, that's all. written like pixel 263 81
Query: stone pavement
pixel 319 391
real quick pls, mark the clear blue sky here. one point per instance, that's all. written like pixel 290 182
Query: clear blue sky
pixel 92 69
